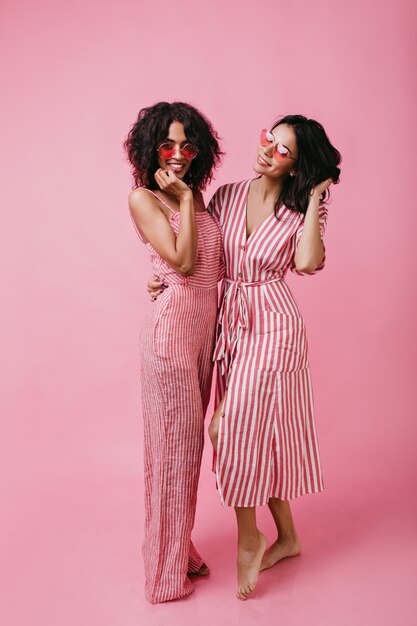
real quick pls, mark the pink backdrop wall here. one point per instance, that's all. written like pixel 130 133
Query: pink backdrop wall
pixel 73 77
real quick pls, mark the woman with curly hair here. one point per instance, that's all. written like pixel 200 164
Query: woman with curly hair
pixel 173 151
pixel 263 430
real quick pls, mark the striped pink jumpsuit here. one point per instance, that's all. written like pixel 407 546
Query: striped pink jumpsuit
pixel 177 343
pixel 267 443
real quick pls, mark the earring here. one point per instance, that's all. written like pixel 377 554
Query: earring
pixel 292 174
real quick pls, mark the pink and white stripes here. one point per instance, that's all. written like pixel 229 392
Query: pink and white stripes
pixel 267 445
pixel 177 343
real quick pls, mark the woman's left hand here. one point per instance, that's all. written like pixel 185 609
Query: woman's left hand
pixel 318 189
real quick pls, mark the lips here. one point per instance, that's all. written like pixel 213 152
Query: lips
pixel 175 167
pixel 262 161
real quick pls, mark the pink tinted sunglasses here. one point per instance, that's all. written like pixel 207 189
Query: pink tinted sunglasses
pixel 280 151
pixel 167 150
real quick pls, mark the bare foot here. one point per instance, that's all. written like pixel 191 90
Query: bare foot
pixel 281 549
pixel 248 567
pixel 203 571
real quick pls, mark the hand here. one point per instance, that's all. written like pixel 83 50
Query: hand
pixel 172 185
pixel 318 189
pixel 155 287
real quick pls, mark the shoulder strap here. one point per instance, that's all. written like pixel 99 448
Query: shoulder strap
pixel 160 199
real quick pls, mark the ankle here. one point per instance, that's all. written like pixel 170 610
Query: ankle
pixel 287 537
pixel 249 543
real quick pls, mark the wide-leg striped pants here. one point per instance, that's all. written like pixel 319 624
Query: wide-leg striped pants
pixel 176 369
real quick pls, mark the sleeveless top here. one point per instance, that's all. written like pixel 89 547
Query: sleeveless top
pixel 209 266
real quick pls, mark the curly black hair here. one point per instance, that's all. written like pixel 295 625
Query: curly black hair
pixel 317 161
pixel 151 129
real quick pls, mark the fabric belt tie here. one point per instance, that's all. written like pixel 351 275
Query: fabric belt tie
pixel 234 314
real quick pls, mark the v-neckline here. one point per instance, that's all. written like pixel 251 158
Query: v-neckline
pixel 245 215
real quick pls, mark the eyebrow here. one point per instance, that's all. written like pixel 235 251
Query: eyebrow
pixel 173 141
pixel 282 144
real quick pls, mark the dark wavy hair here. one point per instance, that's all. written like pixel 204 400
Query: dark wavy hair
pixel 317 161
pixel 151 129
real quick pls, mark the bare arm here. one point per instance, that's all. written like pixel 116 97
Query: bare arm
pixel 310 249
pixel 180 250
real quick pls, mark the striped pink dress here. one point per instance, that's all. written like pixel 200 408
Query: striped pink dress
pixel 176 346
pixel 267 443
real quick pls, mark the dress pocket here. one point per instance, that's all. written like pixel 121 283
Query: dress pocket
pixel 162 333
pixel 282 342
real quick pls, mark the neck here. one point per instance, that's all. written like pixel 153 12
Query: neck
pixel 268 188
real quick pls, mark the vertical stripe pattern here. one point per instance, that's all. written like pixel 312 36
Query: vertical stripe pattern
pixel 177 343
pixel 267 444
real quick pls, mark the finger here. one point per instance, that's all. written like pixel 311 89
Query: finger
pixel 158 179
pixel 154 280
pixel 153 284
pixel 164 179
pixel 169 178
pixel 154 293
pixel 159 175
pixel 172 177
pixel 164 174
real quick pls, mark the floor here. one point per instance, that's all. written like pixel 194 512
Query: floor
pixel 72 555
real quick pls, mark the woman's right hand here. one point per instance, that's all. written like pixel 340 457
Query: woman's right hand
pixel 172 185
pixel 155 287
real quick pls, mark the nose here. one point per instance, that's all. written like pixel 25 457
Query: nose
pixel 269 150
pixel 177 154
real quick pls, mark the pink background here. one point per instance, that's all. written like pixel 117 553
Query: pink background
pixel 73 77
